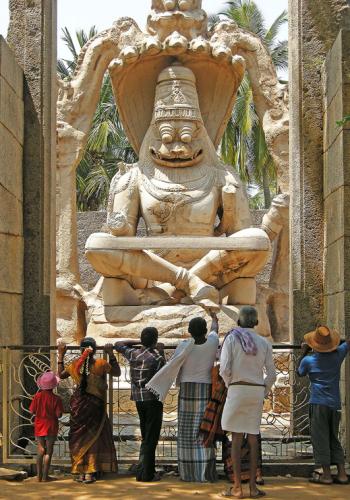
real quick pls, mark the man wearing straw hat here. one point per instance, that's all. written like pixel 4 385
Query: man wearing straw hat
pixel 322 357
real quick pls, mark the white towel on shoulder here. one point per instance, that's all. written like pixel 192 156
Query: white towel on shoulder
pixel 162 381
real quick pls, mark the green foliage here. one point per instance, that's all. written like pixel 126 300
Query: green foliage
pixel 344 121
pixel 243 144
pixel 107 143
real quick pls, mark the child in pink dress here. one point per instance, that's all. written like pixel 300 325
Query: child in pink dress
pixel 47 408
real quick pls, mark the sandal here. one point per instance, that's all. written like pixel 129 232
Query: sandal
pixel 80 479
pixel 228 493
pixel 259 494
pixel 317 478
pixel 89 479
pixel 336 480
pixel 49 479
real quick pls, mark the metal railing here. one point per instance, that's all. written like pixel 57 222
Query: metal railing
pixel 284 426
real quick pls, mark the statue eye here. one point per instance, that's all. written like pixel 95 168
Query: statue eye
pixel 186 137
pixel 166 133
pixel 167 138
pixel 186 133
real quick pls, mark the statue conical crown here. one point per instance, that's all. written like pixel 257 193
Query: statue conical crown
pixel 176 95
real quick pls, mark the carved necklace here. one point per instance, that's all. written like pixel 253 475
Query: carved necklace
pixel 167 184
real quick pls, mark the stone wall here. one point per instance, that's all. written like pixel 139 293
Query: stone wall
pixel 337 184
pixel 336 195
pixel 32 35
pixel 11 197
pixel 319 169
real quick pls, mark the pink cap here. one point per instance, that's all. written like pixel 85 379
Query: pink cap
pixel 48 380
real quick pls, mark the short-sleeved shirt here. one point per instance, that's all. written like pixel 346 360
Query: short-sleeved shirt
pixel 199 362
pixel 323 369
pixel 47 408
pixel 144 363
pixel 237 366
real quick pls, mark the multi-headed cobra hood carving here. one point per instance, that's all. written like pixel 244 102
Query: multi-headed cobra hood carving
pixel 177 32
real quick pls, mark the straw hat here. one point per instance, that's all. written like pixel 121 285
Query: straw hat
pixel 323 339
pixel 48 380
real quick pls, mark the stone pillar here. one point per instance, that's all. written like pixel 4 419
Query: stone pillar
pixel 337 199
pixel 32 36
pixel 306 256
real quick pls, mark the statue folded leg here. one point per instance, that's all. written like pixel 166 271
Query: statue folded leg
pixel 144 264
pixel 219 267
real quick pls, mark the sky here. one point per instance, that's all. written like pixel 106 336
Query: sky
pixel 77 14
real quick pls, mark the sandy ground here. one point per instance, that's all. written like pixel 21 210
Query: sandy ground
pixel 168 488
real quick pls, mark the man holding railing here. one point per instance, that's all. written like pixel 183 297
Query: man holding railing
pixel 322 357
pixel 145 361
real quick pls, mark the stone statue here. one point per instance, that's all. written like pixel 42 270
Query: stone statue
pixel 181 189
pixel 175 86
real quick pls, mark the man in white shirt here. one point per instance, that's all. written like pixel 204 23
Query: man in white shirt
pixel 196 462
pixel 244 357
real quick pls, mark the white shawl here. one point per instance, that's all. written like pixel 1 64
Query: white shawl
pixel 162 381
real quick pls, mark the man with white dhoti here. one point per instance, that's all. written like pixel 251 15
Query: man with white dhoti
pixel 245 357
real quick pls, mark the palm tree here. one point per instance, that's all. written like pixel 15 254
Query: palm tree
pixel 243 144
pixel 107 143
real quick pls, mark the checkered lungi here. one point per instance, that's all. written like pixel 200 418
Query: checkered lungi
pixel 196 462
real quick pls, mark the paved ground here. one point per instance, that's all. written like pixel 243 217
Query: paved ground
pixel 169 488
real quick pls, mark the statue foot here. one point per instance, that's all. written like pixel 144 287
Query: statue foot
pixel 201 293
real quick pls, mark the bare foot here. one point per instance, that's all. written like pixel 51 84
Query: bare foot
pixel 49 479
pixel 39 479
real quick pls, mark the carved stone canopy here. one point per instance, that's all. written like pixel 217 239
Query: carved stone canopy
pixel 217 83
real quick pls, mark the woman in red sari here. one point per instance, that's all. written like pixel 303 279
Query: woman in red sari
pixel 90 437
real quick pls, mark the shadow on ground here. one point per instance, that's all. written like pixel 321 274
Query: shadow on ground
pixel 169 488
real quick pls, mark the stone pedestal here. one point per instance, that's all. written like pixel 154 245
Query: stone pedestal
pixel 108 323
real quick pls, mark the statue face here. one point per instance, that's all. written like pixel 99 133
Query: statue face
pixel 177 143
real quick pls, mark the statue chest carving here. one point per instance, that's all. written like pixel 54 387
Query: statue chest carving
pixel 170 207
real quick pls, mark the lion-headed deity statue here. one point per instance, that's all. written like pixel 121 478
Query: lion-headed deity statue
pixel 175 86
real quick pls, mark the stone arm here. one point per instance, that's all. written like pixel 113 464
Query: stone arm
pixel 277 217
pixel 123 205
pixel 234 211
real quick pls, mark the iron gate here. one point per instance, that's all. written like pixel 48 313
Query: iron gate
pixel 284 425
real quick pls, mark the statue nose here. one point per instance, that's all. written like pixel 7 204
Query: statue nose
pixel 179 149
